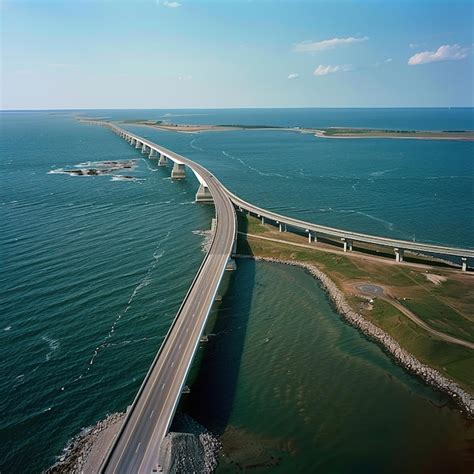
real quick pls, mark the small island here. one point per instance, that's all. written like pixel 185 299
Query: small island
pixel 341 132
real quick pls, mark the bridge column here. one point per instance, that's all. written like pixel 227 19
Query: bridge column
pixel 138 144
pixel 203 194
pixel 132 141
pixel 347 245
pixel 464 264
pixel 263 220
pixel 163 160
pixel 152 153
pixel 144 149
pixel 231 265
pixel 399 254
pixel 280 227
pixel 178 171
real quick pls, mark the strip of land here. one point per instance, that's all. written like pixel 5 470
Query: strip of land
pixel 339 132
pixel 330 132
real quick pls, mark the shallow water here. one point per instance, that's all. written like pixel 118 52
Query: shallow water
pixel 292 388
pixel 94 269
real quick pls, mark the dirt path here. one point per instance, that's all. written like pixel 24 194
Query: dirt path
pixel 341 252
pixel 379 292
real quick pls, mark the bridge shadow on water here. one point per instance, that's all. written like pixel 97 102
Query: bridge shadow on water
pixel 217 366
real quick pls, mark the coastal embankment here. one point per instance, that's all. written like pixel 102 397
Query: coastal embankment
pixel 429 375
pixel 189 447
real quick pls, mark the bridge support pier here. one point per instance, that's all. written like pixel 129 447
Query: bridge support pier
pixel 464 264
pixel 231 265
pixel 138 144
pixel 163 161
pixel 347 245
pixel 263 220
pixel 133 141
pixel 144 149
pixel 203 194
pixel 178 171
pixel 399 254
pixel 312 236
pixel 152 153
pixel 280 227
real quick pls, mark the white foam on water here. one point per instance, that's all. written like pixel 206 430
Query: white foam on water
pixel 7 328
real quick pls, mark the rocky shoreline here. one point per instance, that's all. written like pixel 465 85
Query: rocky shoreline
pixel 84 452
pixel 429 375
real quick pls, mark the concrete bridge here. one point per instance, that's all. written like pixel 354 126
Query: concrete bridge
pixel 137 445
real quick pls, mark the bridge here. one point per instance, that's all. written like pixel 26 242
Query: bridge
pixel 136 448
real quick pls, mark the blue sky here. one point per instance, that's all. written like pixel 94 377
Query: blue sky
pixel 185 53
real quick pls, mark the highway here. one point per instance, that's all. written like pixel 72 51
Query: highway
pixel 136 447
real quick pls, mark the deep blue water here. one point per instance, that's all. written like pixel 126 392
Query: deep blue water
pixel 93 270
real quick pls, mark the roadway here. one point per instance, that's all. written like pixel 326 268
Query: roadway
pixel 137 445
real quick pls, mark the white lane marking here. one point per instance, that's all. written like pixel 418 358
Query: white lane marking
pixel 138 447
pixel 151 414
pixel 172 364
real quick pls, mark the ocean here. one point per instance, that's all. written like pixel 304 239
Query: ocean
pixel 93 269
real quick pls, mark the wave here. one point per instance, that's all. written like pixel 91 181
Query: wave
pixel 261 173
pixel 194 146
pixel 118 177
pixel 381 172
pixel 53 345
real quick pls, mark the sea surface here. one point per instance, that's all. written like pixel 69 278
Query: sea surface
pixel 93 269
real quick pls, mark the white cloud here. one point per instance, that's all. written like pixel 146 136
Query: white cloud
pixel 323 70
pixel 312 46
pixel 388 60
pixel 446 52
pixel 293 75
pixel 169 4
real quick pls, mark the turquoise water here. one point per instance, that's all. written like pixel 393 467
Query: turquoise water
pixel 93 270
pixel 409 189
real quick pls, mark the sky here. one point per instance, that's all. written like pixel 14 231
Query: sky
pixel 68 54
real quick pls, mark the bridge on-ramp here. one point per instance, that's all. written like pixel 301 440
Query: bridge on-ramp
pixel 136 448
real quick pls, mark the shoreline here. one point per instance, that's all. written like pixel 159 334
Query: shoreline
pixel 401 356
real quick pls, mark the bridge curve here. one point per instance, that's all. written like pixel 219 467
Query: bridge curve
pixel 136 447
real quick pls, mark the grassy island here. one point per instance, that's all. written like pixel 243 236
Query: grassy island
pixel 339 132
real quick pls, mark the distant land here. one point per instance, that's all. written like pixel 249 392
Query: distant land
pixel 330 132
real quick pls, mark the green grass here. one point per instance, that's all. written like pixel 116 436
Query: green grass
pixel 442 317
pixel 454 361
